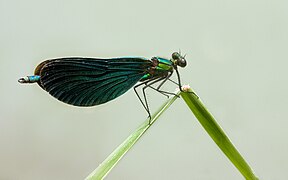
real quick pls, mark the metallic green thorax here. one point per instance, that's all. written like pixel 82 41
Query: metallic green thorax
pixel 160 68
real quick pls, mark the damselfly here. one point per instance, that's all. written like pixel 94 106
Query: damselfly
pixel 81 81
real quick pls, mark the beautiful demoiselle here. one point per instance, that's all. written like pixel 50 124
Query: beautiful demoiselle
pixel 83 81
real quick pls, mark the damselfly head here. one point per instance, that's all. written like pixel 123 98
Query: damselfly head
pixel 178 59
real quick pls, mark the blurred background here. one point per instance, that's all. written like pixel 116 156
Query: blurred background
pixel 237 64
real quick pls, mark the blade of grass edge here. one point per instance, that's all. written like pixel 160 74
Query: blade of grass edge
pixel 105 167
pixel 216 133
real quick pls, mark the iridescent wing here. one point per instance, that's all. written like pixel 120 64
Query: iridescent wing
pixel 90 81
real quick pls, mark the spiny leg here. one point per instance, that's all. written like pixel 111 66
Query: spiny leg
pixel 180 86
pixel 161 84
pixel 165 93
pixel 172 81
pixel 157 89
pixel 138 85
pixel 166 77
pixel 145 105
pixel 179 81
pixel 148 84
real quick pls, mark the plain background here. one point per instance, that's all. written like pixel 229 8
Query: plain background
pixel 237 64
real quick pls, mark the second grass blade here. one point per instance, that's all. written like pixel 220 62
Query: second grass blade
pixel 216 133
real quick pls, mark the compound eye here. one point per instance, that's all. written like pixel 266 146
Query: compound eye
pixel 181 62
pixel 176 55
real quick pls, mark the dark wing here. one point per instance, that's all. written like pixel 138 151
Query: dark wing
pixel 89 81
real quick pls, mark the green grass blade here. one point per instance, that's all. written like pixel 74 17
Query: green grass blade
pixel 103 169
pixel 216 133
